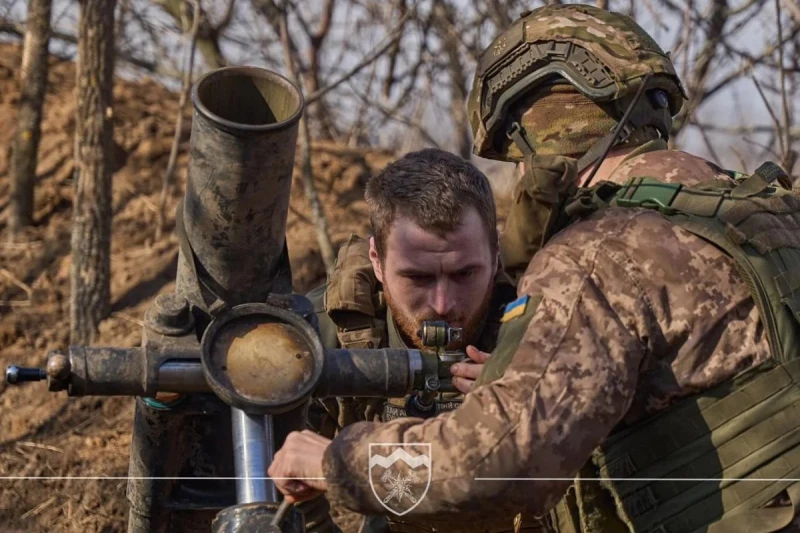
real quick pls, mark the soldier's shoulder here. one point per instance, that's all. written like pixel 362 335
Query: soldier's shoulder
pixel 639 226
pixel 672 166
pixel 327 328
pixel 615 240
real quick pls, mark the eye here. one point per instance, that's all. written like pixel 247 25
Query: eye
pixel 419 279
pixel 465 273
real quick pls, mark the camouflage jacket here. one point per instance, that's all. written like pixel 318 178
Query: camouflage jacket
pixel 632 314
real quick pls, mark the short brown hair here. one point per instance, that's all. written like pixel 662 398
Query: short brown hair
pixel 432 188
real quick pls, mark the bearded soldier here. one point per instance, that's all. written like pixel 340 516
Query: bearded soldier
pixel 644 380
pixel 433 255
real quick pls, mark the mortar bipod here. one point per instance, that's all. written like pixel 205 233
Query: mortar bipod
pixel 231 228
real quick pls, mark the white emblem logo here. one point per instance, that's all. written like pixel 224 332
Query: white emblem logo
pixel 399 474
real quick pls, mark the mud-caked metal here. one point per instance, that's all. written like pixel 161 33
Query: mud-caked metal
pixel 231 228
pixel 229 362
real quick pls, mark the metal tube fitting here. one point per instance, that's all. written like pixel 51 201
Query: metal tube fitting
pixel 370 373
pixel 252 448
pixel 16 374
pixel 102 372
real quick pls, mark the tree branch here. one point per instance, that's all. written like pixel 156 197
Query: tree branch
pixel 18 30
pixel 776 123
pixel 324 23
pixel 208 36
pixel 369 58
pixel 793 8
pixel 227 17
pixel 718 19
pixel 739 131
pixel 391 114
pixel 393 53
pixel 748 64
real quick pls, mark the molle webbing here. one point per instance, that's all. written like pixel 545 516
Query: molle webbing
pixel 353 300
pixel 696 466
pixel 745 428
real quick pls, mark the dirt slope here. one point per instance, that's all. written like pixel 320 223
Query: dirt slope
pixel 45 434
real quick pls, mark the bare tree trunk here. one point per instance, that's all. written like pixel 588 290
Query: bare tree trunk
pixel 414 142
pixel 788 156
pixel 394 52
pixel 33 86
pixel 317 213
pixel 190 32
pixel 307 174
pixel 91 230
pixel 319 109
pixel 208 36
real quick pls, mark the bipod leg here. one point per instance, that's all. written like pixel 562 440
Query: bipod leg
pixel 258 509
pixel 172 450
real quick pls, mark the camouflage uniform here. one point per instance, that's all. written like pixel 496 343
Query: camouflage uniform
pixel 643 346
pixel 628 314
pixel 352 313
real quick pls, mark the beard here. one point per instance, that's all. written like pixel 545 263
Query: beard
pixel 472 325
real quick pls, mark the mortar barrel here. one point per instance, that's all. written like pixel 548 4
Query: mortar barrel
pixel 233 218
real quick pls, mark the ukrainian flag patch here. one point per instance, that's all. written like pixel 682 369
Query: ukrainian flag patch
pixel 516 308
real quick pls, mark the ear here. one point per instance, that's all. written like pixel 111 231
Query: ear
pixel 375 259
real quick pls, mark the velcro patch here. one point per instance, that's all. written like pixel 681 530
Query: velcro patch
pixel 516 308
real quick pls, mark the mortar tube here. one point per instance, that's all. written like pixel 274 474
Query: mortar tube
pixel 242 147
pixel 231 227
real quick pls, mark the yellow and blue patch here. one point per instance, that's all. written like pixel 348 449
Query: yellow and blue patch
pixel 516 308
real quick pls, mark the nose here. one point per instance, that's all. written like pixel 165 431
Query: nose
pixel 442 300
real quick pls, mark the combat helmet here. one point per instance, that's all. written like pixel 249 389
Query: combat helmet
pixel 602 54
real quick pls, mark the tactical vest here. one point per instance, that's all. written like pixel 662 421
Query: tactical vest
pixel 743 435
pixel 355 303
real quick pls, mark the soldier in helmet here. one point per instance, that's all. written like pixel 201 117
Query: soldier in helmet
pixel 645 380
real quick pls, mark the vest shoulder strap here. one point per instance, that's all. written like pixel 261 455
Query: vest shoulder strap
pixel 353 299
pixel 755 222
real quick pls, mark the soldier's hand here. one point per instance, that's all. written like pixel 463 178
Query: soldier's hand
pixel 465 374
pixel 297 467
